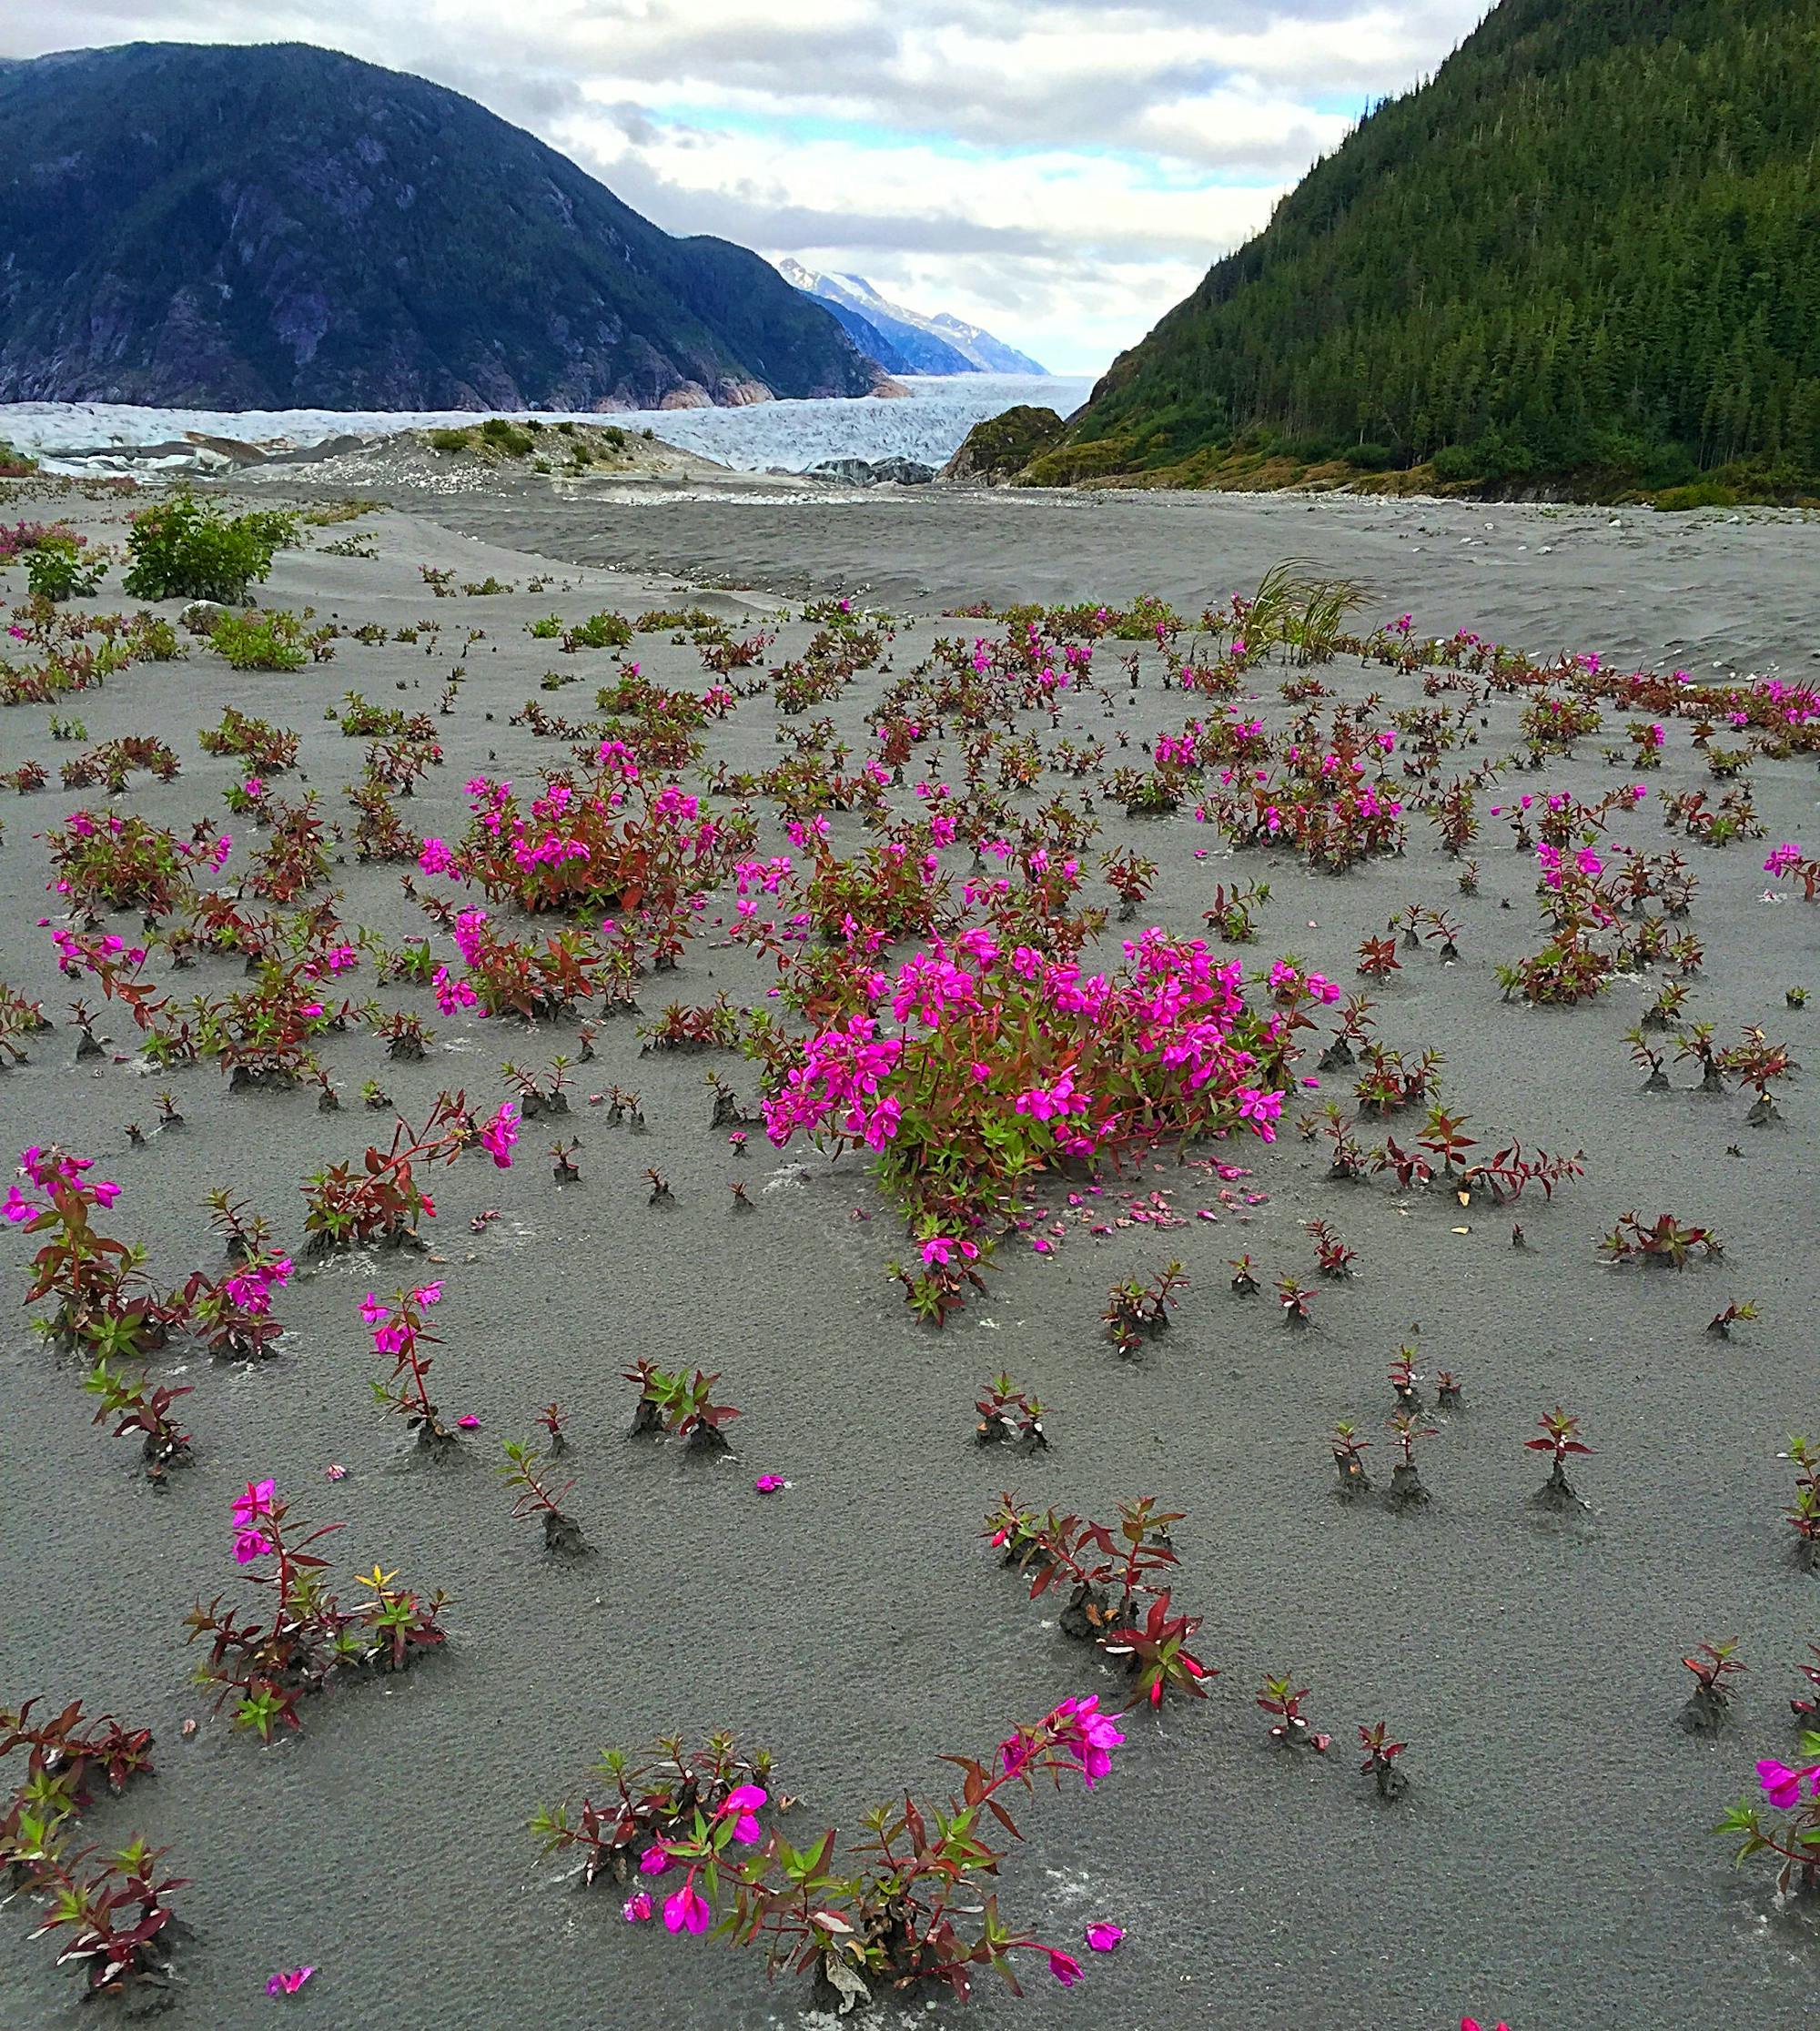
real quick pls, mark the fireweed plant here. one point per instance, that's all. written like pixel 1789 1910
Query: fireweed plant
pixel 910 1904
pixel 400 1334
pixel 261 1669
pixel 677 1405
pixel 978 1066
pixel 1785 1825
pixel 1109 1573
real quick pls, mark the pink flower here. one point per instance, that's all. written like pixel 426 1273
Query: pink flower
pixel 335 1474
pixel 1783 859
pixel 654 1861
pixel 105 1193
pixel 254 1504
pixel 939 1251
pixel 428 1294
pixel 768 1484
pixel 249 1545
pixel 18 1208
pixel 1472 2024
pixel 1064 1968
pixel 740 1805
pixel 371 1311
pixel 1102 1937
pixel 687 1908
pixel 1084 1733
pixel 500 1134
pixel 637 1909
pixel 1782 1785
pixel 288 1982
pixel 469 1421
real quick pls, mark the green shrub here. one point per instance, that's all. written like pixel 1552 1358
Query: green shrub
pixel 261 641
pixel 1372 457
pixel 1701 493
pixel 547 629
pixel 16 464
pixel 181 550
pixel 602 630
pixel 505 435
pixel 1455 462
pixel 56 570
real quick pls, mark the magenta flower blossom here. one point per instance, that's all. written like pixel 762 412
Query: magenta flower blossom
pixel 469 1421
pixel 1102 1937
pixel 768 1484
pixel 940 1251
pixel 1783 859
pixel 1782 1785
pixel 254 1504
pixel 654 1861
pixel 686 1909
pixel 288 1981
pixel 1086 1734
pixel 637 1908
pixel 1064 1968
pixel 500 1134
pixel 741 1805
pixel 371 1311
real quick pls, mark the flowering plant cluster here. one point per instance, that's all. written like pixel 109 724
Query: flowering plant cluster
pixel 995 1063
pixel 912 1907
pixel 264 1668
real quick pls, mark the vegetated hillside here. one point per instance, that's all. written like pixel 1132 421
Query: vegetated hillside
pixel 1590 246
pixel 286 226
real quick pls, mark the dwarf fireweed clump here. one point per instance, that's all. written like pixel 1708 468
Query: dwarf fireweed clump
pixel 1009 1416
pixel 105 1304
pixel 400 1333
pixel 1804 1514
pixel 979 1066
pixel 1714 1666
pixel 1666 1242
pixel 144 1411
pixel 677 1405
pixel 1785 1824
pixel 1113 1601
pixel 1136 1311
pixel 616 841
pixel 380 1201
pixel 104 861
pixel 913 1905
pixel 66 1755
pixel 649 1805
pixel 263 1670
pixel 534 1496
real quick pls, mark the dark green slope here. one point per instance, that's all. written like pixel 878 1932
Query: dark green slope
pixel 1590 245
pixel 283 226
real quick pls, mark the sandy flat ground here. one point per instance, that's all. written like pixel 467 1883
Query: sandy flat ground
pixel 1553 1864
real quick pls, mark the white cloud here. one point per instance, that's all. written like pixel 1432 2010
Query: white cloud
pixel 1061 173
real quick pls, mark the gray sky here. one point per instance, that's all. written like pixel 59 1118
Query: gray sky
pixel 1059 173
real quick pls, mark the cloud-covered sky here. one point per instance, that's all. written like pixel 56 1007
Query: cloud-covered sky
pixel 1058 171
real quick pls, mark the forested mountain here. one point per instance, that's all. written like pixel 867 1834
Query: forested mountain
pixel 1589 244
pixel 285 227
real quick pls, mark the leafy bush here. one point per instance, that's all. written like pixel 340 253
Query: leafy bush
pixel 1454 462
pixel 1372 457
pixel 506 436
pixel 449 441
pixel 599 631
pixel 182 550
pixel 56 570
pixel 261 641
pixel 1701 493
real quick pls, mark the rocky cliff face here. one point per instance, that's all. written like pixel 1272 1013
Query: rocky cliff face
pixel 287 227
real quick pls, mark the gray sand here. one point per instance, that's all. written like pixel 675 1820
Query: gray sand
pixel 1553 1865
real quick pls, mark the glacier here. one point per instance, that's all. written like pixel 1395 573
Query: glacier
pixel 928 425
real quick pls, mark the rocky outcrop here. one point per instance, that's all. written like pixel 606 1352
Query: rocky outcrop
pixel 995 453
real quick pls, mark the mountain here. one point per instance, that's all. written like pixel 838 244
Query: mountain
pixel 283 226
pixel 913 344
pixel 1590 245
